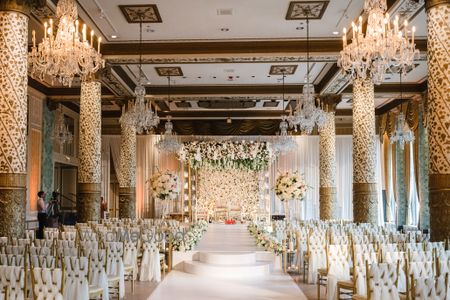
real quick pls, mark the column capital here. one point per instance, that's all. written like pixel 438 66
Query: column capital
pixel 330 101
pixel 21 6
pixel 432 3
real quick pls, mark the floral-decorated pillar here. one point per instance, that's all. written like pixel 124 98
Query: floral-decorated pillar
pixel 327 148
pixel 13 114
pixel 365 206
pixel 89 171
pixel 438 12
pixel 127 171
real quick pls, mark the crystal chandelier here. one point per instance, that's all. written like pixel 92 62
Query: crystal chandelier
pixel 68 53
pixel 141 114
pixel 169 141
pixel 402 133
pixel 61 133
pixel 307 115
pixel 382 46
pixel 283 143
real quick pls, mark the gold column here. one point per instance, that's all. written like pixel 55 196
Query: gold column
pixel 327 149
pixel 89 171
pixel 13 115
pixel 127 171
pixel 438 12
pixel 365 206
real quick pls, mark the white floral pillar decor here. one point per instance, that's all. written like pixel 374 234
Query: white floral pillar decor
pixel 438 12
pixel 89 171
pixel 127 171
pixel 13 114
pixel 327 149
pixel 365 200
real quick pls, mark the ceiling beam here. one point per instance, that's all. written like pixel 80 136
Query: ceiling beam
pixel 234 47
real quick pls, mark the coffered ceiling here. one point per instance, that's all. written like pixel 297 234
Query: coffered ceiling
pixel 226 58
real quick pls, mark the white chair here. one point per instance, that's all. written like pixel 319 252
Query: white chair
pixel 115 268
pixel 13 282
pixel 76 286
pixel 430 287
pixel 381 282
pixel 47 284
pixel 151 263
pixel 16 260
pixel 97 277
pixel 43 261
pixel 338 269
pixel 130 263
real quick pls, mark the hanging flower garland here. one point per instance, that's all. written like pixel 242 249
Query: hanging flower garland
pixel 165 185
pixel 290 187
pixel 250 155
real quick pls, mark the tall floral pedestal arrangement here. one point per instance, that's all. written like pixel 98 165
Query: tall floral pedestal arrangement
pixel 166 187
pixel 290 186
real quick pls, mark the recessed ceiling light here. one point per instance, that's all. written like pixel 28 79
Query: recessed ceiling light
pixel 224 29
pixel 299 27
pixel 335 32
pixel 114 36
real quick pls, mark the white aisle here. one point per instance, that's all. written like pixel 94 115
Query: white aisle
pixel 227 264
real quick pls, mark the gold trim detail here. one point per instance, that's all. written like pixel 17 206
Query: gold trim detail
pixel 88 202
pixel 432 3
pixel 365 203
pixel 127 203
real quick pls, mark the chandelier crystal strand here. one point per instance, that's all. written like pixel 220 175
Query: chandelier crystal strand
pixel 382 47
pixel 65 52
pixel 307 114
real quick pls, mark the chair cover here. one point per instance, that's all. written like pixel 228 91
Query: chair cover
pixel 97 273
pixel 47 284
pixel 338 269
pixel 76 286
pixel 13 278
pixel 382 282
pixel 150 264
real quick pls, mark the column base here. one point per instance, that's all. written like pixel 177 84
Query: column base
pixel 88 202
pixel 439 187
pixel 327 203
pixel 13 203
pixel 127 202
pixel 365 203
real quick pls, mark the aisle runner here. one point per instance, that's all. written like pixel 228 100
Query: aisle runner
pixel 227 270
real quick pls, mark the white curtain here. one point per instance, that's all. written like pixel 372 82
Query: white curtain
pixel 413 198
pixel 344 176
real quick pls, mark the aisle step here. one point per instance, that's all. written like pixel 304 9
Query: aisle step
pixel 228 258
pixel 258 269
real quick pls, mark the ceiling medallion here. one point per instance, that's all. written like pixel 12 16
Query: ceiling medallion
pixel 146 13
pixel 283 70
pixel 65 51
pixel 380 48
pixel 297 10
pixel 169 71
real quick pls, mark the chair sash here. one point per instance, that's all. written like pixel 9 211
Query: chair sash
pixel 16 260
pixel 13 278
pixel 425 288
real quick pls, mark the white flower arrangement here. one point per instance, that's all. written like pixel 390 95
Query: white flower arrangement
pixel 290 187
pixel 265 239
pixel 234 189
pixel 191 237
pixel 165 185
pixel 249 155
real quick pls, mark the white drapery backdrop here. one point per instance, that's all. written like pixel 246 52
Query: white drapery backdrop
pixel 304 159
